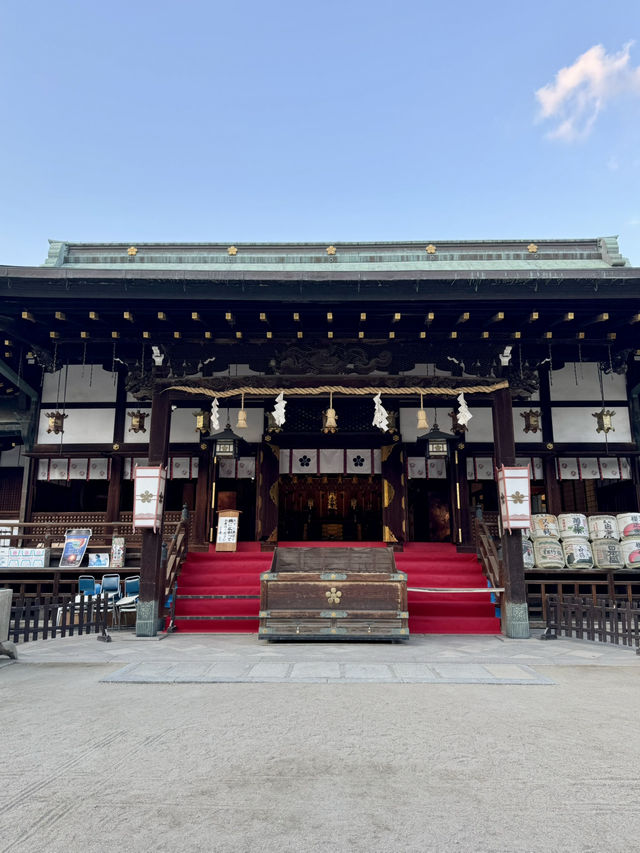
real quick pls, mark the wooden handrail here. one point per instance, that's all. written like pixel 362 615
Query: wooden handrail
pixel 488 553
pixel 176 555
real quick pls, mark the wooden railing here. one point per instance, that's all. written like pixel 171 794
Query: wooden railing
pixel 492 567
pixel 50 527
pixel 592 584
pixel 176 555
pixel 602 620
pixel 51 616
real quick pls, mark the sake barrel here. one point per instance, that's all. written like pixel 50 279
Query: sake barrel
pixel 629 525
pixel 577 553
pixel 572 524
pixel 607 554
pixel 527 553
pixel 603 527
pixel 631 553
pixel 543 526
pixel 548 553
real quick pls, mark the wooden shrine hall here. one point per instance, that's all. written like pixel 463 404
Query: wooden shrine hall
pixel 334 393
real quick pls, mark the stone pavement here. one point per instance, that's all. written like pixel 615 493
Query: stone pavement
pixel 242 658
pixel 468 757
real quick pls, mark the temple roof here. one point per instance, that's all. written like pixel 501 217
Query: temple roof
pixel 598 253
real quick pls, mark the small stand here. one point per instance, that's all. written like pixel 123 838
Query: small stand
pixel 227 534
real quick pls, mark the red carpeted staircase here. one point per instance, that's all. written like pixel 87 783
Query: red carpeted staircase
pixel 219 592
pixel 438 564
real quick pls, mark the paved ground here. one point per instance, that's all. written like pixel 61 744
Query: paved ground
pixel 461 759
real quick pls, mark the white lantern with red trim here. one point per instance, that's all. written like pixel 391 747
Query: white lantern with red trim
pixel 515 496
pixel 149 490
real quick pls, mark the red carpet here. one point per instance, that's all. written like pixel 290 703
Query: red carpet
pixel 435 564
pixel 220 592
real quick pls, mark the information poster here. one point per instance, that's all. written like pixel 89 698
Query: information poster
pixel 75 544
pixel 227 535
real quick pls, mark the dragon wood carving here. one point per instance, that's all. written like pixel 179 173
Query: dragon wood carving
pixel 333 360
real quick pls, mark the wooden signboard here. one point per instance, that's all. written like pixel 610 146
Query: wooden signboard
pixel 227 535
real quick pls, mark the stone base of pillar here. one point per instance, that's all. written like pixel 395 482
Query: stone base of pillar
pixel 9 649
pixel 6 647
pixel 515 621
pixel 147 619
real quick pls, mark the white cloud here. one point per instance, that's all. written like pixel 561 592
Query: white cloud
pixel 635 220
pixel 580 91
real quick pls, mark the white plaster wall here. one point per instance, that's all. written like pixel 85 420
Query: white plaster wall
pixel 101 390
pixel 564 385
pixel 480 426
pixel 137 437
pixel 255 423
pixel 576 425
pixel 183 425
pixel 518 425
pixel 83 426
pixel 13 458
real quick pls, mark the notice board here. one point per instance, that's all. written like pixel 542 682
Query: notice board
pixel 227 535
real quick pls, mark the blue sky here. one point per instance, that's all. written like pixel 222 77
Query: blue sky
pixel 194 120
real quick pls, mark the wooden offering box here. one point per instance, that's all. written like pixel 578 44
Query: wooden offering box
pixel 333 593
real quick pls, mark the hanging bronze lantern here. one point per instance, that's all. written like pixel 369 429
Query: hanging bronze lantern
pixel 531 420
pixel 603 418
pixel 56 422
pixel 138 419
pixel 203 421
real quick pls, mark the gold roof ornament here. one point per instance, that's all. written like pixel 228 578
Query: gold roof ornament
pixel 232 250
pixel 532 248
pixel 431 249
pixel 331 250
pixel 132 251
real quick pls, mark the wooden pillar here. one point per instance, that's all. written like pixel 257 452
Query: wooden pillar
pixel 515 617
pixel 115 479
pixel 151 581
pixel 267 478
pixel 463 535
pixel 551 485
pixel 200 532
pixel 394 494
pixel 113 494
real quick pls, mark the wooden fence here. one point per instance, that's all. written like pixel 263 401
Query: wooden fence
pixel 602 620
pixel 58 616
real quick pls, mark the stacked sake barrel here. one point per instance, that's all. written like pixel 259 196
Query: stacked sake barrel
pixel 573 541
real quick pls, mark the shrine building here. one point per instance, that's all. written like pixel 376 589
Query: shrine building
pixel 352 392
